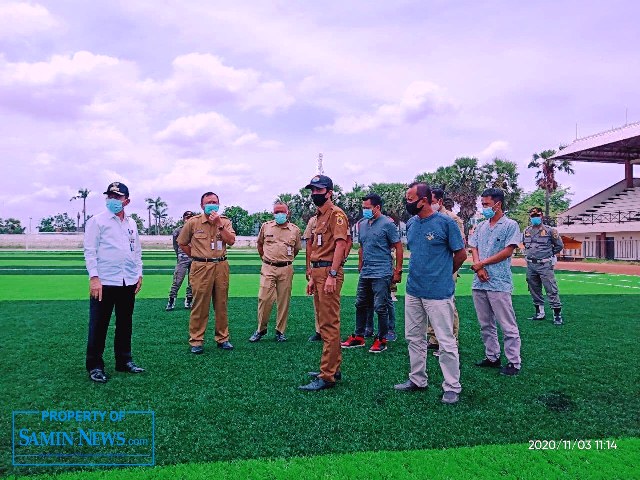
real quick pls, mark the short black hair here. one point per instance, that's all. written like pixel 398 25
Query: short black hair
pixel 423 190
pixel 206 194
pixel 374 198
pixel 438 193
pixel 496 194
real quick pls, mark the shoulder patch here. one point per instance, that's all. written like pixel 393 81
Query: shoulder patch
pixel 340 219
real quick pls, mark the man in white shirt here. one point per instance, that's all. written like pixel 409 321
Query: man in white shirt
pixel 113 256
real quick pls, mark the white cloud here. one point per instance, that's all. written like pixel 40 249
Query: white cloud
pixel 420 99
pixel 494 149
pixel 21 19
pixel 200 128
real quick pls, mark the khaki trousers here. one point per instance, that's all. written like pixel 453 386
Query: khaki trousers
pixel 328 310
pixel 210 284
pixel 275 286
pixel 456 320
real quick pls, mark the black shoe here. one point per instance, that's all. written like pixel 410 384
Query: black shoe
pixel 197 350
pixel 188 303
pixel 433 346
pixel 489 363
pixel 509 369
pixel 408 386
pixel 97 375
pixel 130 367
pixel 225 345
pixel 368 333
pixel 538 316
pixel 315 337
pixel 257 335
pixel 558 320
pixel 337 376
pixel 171 304
pixel 280 337
pixel 317 384
pixel 391 336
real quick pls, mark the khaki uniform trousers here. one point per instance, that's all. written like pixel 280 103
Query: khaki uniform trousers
pixel 275 286
pixel 328 310
pixel 456 320
pixel 210 284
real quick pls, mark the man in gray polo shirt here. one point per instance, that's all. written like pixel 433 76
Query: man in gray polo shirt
pixel 377 235
pixel 492 245
pixel 437 252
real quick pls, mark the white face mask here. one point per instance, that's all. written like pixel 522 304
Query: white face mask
pixel 435 207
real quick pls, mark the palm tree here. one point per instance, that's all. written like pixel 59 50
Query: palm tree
pixel 546 174
pixel 83 193
pixel 156 206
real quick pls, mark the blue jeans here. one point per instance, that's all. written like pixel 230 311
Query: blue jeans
pixel 373 294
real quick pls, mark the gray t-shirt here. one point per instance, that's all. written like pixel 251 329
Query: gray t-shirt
pixel 489 241
pixel 376 240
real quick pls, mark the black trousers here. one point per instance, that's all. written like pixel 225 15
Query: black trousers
pixel 123 299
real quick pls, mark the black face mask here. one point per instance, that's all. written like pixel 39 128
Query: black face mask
pixel 412 207
pixel 319 199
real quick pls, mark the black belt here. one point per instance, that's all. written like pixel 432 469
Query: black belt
pixel 277 264
pixel 209 260
pixel 321 263
pixel 542 260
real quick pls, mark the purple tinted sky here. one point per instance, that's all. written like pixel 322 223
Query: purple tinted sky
pixel 192 96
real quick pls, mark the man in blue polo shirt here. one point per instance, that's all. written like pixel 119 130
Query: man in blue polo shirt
pixel 437 252
pixel 492 244
pixel 377 235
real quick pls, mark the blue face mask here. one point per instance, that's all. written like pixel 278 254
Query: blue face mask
pixel 211 208
pixel 114 205
pixel 280 217
pixel 535 221
pixel 367 213
pixel 488 213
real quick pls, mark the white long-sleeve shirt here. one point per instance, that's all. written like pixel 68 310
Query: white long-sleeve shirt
pixel 112 249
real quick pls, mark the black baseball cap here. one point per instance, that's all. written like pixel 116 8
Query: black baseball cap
pixel 320 181
pixel 118 188
pixel 535 211
pixel 188 214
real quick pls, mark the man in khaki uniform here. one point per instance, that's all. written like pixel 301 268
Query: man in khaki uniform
pixel 205 238
pixel 327 255
pixel 278 244
pixel 438 204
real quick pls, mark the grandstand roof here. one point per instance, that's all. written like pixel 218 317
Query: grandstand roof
pixel 613 146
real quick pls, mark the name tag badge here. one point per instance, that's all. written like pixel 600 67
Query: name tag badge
pixel 213 245
pixel 289 250
pixel 319 239
pixel 219 245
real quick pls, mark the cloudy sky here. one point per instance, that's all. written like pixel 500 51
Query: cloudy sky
pixel 178 97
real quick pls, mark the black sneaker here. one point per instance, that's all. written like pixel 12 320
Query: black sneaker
pixel 558 320
pixel 315 337
pixel 257 335
pixel 489 363
pixel 129 367
pixel 171 304
pixel 391 336
pixel 197 350
pixel 188 303
pixel 280 337
pixel 97 375
pixel 538 316
pixel 509 369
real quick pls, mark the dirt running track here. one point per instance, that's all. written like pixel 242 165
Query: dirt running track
pixel 588 267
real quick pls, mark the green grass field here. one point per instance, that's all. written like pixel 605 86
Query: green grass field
pixel 239 414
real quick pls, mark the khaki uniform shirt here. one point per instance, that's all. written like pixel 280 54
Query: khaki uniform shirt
pixel 311 226
pixel 204 238
pixel 281 243
pixel 455 217
pixel 331 225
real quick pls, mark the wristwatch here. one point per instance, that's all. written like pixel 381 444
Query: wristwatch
pixel 333 273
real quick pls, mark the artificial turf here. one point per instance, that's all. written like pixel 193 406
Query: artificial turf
pixel 578 381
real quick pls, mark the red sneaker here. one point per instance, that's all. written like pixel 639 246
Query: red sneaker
pixel 353 341
pixel 378 346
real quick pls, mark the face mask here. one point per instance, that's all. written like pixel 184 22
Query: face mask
pixel 435 207
pixel 367 213
pixel 488 213
pixel 280 218
pixel 535 221
pixel 114 205
pixel 412 207
pixel 318 199
pixel 211 208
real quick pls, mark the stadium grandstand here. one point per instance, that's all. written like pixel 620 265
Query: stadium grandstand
pixel 606 225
